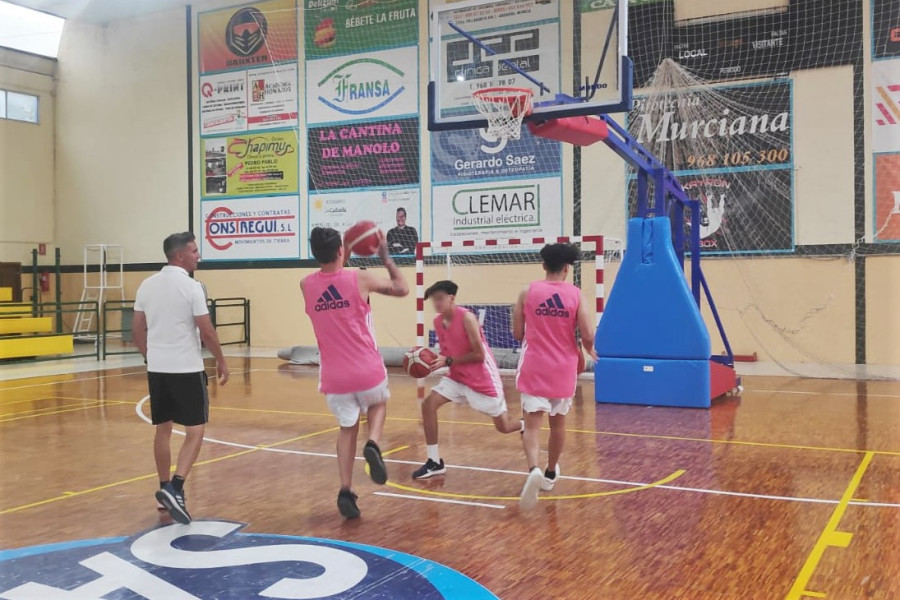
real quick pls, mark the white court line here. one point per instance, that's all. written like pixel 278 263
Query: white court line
pixel 143 417
pixel 444 500
pixel 808 393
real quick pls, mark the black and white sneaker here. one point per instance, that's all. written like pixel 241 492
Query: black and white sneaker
pixel 347 504
pixel 173 501
pixel 377 469
pixel 429 469
pixel 549 482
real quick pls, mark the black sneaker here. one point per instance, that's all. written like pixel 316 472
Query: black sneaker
pixel 174 502
pixel 429 469
pixel 347 504
pixel 377 469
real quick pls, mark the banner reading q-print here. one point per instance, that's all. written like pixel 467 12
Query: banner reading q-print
pixel 251 229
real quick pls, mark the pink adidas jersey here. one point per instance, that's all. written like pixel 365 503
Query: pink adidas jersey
pixel 482 377
pixel 342 321
pixel 549 362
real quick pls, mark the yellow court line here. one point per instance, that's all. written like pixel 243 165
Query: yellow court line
pixel 69 494
pixel 37 410
pixel 394 450
pixel 814 594
pixel 57 412
pixel 629 490
pixel 830 535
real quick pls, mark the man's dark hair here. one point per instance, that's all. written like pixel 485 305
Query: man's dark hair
pixel 442 286
pixel 325 243
pixel 557 256
pixel 403 210
pixel 177 242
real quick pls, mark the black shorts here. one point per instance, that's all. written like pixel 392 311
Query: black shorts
pixel 178 397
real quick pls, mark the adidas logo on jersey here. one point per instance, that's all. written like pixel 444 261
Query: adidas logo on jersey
pixel 331 299
pixel 552 307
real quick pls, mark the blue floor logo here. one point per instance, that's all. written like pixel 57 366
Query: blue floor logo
pixel 210 559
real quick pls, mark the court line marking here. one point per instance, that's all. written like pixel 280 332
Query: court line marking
pixel 628 490
pixel 37 410
pixel 830 536
pixel 595 432
pixel 394 450
pixel 57 412
pixel 250 450
pixel 146 419
pixel 444 500
pixel 809 393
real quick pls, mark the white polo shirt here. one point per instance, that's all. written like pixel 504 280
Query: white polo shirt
pixel 171 299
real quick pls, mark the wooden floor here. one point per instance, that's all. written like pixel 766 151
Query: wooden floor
pixel 791 491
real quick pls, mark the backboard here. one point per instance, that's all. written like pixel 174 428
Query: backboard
pixel 530 44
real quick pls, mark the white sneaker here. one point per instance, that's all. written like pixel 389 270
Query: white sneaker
pixel 547 484
pixel 529 497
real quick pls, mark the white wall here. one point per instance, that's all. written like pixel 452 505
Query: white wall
pixel 122 171
pixel 27 160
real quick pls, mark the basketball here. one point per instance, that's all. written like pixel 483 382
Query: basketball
pixel 362 238
pixel 417 362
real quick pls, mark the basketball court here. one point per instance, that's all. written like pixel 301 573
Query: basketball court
pixel 725 170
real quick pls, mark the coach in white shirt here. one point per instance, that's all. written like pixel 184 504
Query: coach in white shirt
pixel 170 320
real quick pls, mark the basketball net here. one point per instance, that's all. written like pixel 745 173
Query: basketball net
pixel 504 109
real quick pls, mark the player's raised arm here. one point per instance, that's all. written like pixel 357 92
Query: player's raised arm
pixel 586 329
pixel 518 317
pixel 395 286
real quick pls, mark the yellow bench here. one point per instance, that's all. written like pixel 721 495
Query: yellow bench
pixel 5 294
pixel 26 325
pixel 42 345
pixel 15 307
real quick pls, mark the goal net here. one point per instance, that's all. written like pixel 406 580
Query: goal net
pixel 491 273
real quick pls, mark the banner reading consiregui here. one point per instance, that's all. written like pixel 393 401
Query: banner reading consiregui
pixel 251 228
pixel 250 165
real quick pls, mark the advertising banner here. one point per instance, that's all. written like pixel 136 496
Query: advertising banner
pixel 251 228
pixel 250 165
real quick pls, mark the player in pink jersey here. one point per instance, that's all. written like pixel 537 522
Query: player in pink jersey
pixel 544 320
pixel 473 378
pixel 351 370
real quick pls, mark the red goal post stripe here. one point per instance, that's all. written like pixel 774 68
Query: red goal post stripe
pixel 597 240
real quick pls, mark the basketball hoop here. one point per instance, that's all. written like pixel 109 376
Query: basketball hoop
pixel 504 108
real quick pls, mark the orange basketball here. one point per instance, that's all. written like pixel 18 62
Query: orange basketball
pixel 362 238
pixel 417 362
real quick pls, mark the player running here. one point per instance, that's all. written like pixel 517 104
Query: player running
pixel 351 370
pixel 544 320
pixel 473 378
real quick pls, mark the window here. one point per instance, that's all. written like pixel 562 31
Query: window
pixel 21 107
pixel 18 107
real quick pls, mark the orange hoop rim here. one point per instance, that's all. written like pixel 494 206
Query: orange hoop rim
pixel 503 95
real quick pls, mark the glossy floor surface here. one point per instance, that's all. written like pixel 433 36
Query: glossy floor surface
pixel 790 491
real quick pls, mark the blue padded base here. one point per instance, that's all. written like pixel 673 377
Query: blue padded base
pixel 652 382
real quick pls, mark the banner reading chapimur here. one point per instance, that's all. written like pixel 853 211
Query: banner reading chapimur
pixel 396 211
pixel 251 228
pixel 253 164
pixel 248 36
pixel 334 27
